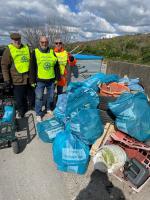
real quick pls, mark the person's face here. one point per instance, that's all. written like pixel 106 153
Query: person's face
pixel 43 43
pixel 17 43
pixel 58 44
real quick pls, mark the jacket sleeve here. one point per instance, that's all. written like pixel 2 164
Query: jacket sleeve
pixel 57 71
pixel 33 69
pixel 6 64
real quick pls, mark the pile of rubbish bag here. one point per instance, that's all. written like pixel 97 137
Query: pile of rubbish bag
pixel 77 122
pixel 124 152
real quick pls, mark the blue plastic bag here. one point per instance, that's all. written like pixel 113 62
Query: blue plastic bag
pixel 78 169
pixel 60 116
pixel 132 113
pixel 109 78
pixel 136 87
pixel 81 98
pixel 59 111
pixel 62 102
pixel 93 81
pixel 129 81
pixel 8 113
pixel 133 84
pixel 69 153
pixel 73 86
pixel 48 129
pixel 87 125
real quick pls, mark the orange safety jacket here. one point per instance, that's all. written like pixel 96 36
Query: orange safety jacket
pixel 63 80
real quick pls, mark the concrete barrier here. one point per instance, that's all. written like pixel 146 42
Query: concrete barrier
pixel 132 71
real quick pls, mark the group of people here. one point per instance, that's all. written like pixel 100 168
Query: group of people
pixel 29 72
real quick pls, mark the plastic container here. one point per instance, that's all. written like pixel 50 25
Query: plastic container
pixel 109 158
pixel 136 172
pixel 113 89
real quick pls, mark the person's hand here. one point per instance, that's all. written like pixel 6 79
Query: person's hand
pixel 71 58
pixel 33 85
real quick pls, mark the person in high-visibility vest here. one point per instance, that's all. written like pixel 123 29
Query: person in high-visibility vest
pixel 15 65
pixel 66 63
pixel 44 72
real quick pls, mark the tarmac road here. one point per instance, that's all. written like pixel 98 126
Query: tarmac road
pixel 30 175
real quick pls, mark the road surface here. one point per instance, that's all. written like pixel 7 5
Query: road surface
pixel 30 175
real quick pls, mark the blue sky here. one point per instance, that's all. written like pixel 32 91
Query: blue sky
pixel 87 19
pixel 73 4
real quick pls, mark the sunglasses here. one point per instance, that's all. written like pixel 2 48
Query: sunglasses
pixel 17 40
pixel 58 43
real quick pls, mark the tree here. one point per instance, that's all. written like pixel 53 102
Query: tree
pixel 33 30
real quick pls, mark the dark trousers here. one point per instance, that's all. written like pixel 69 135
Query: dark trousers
pixel 25 98
pixel 59 89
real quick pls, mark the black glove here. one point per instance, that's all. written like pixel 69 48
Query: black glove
pixel 71 58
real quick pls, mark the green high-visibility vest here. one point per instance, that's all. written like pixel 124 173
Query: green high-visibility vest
pixel 62 59
pixel 45 63
pixel 21 57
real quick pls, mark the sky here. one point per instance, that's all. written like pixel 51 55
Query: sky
pixel 88 19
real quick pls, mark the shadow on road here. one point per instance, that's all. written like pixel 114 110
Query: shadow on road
pixel 25 131
pixel 100 188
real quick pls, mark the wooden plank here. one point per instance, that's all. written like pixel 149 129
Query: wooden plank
pixel 108 129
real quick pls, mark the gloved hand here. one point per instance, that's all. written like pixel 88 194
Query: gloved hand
pixel 71 58
pixel 33 85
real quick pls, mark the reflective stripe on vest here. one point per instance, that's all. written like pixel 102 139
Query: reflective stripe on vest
pixel 45 63
pixel 20 57
pixel 62 59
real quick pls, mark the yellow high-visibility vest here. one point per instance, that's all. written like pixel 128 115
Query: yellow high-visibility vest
pixel 45 64
pixel 62 59
pixel 21 57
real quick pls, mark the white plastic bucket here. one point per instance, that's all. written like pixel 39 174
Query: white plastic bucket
pixel 109 158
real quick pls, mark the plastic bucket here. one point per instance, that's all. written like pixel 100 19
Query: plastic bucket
pixel 109 158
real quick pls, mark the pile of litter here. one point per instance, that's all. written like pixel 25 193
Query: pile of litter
pixel 78 123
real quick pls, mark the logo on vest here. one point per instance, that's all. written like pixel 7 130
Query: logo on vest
pixel 47 66
pixel 24 59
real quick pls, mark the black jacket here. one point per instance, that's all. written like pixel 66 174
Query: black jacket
pixel 33 69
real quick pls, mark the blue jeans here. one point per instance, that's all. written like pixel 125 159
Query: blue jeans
pixel 39 96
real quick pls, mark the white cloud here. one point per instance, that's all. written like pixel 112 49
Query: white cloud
pixel 94 19
pixel 128 29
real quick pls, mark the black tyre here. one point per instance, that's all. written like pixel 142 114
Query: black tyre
pixel 104 102
pixel 107 117
pixel 15 146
